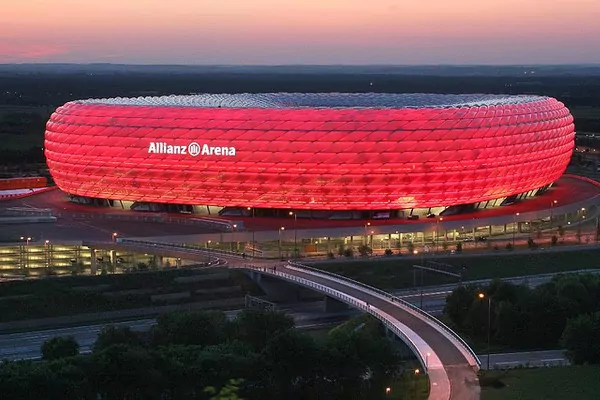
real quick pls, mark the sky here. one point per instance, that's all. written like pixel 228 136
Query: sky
pixel 278 32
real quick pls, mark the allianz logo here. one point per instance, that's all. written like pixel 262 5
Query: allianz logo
pixel 193 149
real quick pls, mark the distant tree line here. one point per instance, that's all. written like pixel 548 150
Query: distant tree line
pixel 203 355
pixel 564 312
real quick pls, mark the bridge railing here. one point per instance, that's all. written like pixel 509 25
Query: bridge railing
pixel 181 246
pixel 357 303
pixel 467 351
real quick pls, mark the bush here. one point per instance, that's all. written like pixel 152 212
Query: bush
pixel 348 252
pixel 330 255
pixel 531 244
pixel 554 240
pixel 60 347
pixel 459 247
pixel 365 250
pixel 389 252
pixel 509 246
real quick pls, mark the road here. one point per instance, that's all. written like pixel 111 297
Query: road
pixel 27 345
pixel 434 297
pixel 525 359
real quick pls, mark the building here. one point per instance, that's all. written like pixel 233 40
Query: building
pixel 318 154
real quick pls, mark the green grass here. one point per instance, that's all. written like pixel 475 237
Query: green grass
pixel 560 383
pixel 397 272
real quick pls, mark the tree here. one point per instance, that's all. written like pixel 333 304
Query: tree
pixel 561 231
pixel 581 339
pixel 111 335
pixel 124 372
pixel 60 347
pixel 458 304
pixel 191 328
pixel 554 240
pixel 411 247
pixel 257 327
pixel 459 247
pixel 365 250
pixel 227 392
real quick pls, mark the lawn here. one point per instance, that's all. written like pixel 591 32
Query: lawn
pixel 397 272
pixel 560 383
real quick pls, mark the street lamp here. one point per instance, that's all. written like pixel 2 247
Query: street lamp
pixel 233 228
pixel 552 211
pixel 437 239
pixel 253 243
pixel 295 233
pixel 114 237
pixel 280 231
pixel 47 248
pixel 367 225
pixel 27 239
pixel 514 226
pixel 482 296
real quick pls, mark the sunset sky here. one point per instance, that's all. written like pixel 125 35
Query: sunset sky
pixel 301 31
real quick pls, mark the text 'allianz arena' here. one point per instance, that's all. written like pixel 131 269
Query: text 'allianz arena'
pixel 309 151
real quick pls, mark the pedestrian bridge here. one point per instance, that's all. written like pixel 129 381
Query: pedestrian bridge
pixel 450 363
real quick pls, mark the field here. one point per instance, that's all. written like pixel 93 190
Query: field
pixel 397 273
pixel 561 383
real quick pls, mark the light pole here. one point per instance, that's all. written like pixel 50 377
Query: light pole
pixel 437 239
pixel 253 244
pixel 114 237
pixel 280 231
pixel 552 211
pixel 295 234
pixel 27 239
pixel 514 227
pixel 233 228
pixel 367 225
pixel 47 248
pixel 482 296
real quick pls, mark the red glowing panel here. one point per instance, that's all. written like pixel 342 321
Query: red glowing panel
pixel 336 157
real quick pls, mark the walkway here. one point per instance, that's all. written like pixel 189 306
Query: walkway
pixel 451 365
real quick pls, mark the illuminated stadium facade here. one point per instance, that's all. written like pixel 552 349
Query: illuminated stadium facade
pixel 421 153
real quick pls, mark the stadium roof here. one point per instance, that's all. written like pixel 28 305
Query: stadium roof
pixel 321 100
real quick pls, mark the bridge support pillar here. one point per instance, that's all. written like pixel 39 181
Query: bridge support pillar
pixel 331 305
pixel 275 289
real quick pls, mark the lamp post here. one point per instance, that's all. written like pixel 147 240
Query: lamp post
pixel 295 234
pixel 367 225
pixel 280 231
pixel 552 203
pixel 47 248
pixel 27 239
pixel 233 228
pixel 514 227
pixel 437 239
pixel 482 296
pixel 114 237
pixel 253 243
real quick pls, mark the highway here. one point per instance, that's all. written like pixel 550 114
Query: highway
pixel 434 297
pixel 27 345
pixel 541 358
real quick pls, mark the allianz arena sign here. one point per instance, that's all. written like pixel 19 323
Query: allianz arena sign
pixel 193 149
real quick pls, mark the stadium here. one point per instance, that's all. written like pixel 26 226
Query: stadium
pixel 328 155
